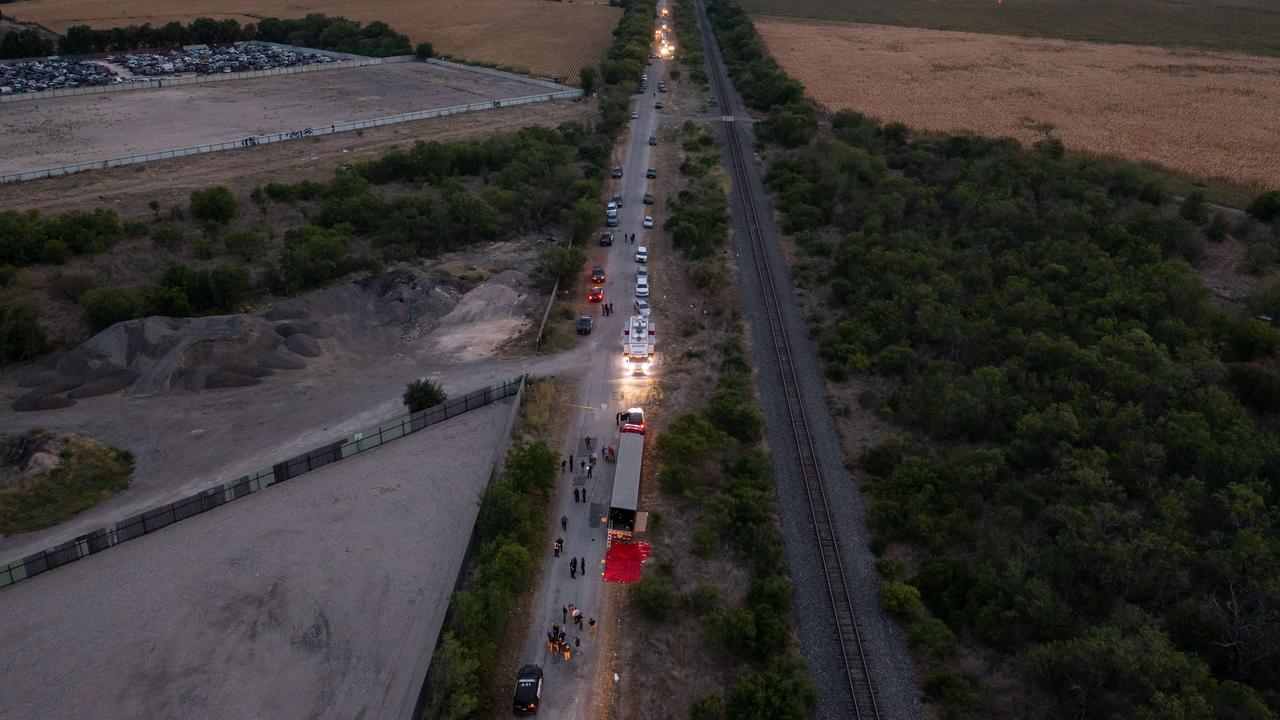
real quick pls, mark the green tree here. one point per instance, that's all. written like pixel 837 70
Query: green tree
pixel 246 244
pixel 780 691
pixel 213 206
pixel 587 77
pixel 422 394
pixel 313 255
pixel 425 51
pixel 655 596
pixel 561 262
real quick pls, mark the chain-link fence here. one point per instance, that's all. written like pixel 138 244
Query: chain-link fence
pixel 165 515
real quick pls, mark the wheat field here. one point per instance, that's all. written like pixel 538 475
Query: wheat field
pixel 545 38
pixel 1203 114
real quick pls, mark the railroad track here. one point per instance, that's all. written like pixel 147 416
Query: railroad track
pixel 862 695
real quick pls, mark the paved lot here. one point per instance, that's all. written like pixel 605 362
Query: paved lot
pixel 318 598
pixel 62 131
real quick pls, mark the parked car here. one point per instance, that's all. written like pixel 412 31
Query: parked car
pixel 642 287
pixel 617 200
pixel 642 254
pixel 651 173
pixel 617 171
pixel 634 114
pixel 584 325
pixel 596 294
pixel 648 221
pixel 611 221
pixel 642 272
pixel 606 239
pixel 597 274
pixel 528 693
pixel 653 140
pixel 648 198
pixel 657 105
pixel 641 308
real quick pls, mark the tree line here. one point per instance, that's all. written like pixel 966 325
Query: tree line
pixel 1082 487
pixel 322 32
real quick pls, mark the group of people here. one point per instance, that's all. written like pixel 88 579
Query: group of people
pixel 606 310
pixel 557 638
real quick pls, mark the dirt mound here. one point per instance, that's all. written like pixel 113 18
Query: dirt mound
pixel 354 321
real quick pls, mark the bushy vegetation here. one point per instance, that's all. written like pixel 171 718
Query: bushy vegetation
pixel 699 221
pixel 1083 495
pixel 21 337
pixel 214 206
pixel 28 238
pixel 691 52
pixel 508 535
pixel 181 291
pixel 423 394
pixel 714 459
pixel 89 472
pixel 24 43
pixel 317 31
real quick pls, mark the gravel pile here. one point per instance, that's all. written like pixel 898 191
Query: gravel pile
pixel 210 61
pixel 38 75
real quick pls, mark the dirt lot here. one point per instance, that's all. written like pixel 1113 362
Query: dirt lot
pixel 318 598
pixel 547 38
pixel 1199 113
pixel 62 131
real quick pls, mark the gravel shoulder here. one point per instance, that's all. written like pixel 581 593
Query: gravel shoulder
pixel 318 598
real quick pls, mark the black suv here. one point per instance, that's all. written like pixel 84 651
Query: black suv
pixel 617 171
pixel 651 173
pixel 606 239
pixel 597 274
pixel 648 198
pixel 584 328
pixel 529 686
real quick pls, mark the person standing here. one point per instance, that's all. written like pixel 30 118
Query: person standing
pixel 575 495
pixel 577 643
pixel 573 568
pixel 564 523
pixel 591 624
pixel 562 465
pixel 589 469
pixel 584 566
pixel 571 461
pixel 564 614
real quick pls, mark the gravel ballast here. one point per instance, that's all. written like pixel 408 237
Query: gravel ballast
pixel 884 642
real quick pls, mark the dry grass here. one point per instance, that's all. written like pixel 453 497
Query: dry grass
pixel 545 38
pixel 1206 115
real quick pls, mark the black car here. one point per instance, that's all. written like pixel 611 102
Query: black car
pixel 597 274
pixel 617 199
pixel 648 198
pixel 653 140
pixel 657 105
pixel 606 238
pixel 617 171
pixel 584 328
pixel 651 173
pixel 529 681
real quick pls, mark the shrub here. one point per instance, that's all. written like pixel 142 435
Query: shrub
pixel 312 256
pixel 245 244
pixel 167 236
pixel 587 77
pixel 708 707
pixel 1266 207
pixel 21 337
pixel 931 637
pixel 55 252
pixel 560 262
pixel 423 394
pixel 1194 207
pixel 424 51
pixel 213 206
pixel 70 286
pixel 901 600
pixel 780 691
pixel 90 473
pixel 105 306
pixel 655 596
pixel 8 275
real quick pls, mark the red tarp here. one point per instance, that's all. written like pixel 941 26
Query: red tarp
pixel 622 562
